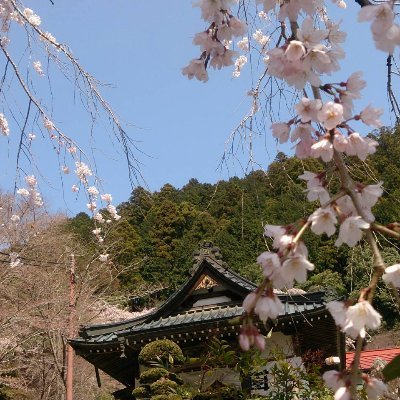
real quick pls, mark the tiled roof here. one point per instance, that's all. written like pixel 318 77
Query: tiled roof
pixel 369 357
pixel 293 308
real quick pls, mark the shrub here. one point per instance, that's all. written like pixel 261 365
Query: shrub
pixel 163 386
pixel 152 375
pixel 141 392
pixel 164 350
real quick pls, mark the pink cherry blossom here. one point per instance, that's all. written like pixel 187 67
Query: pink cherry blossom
pixel 333 379
pixel 370 116
pixel 375 388
pixel 355 84
pixel 331 114
pixel 370 194
pixel 309 35
pixel 340 143
pixel 249 302
pixel 196 69
pixel 359 146
pixel 323 148
pixel 281 131
pixel 295 51
pixel 269 262
pixel 269 306
pixel 351 231
pixel 308 109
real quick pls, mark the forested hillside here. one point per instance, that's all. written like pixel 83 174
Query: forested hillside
pixel 158 232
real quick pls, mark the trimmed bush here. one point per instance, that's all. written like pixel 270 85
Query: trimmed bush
pixel 161 350
pixel 141 392
pixel 152 375
pixel 163 386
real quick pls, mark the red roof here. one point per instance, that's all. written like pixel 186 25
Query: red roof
pixel 368 357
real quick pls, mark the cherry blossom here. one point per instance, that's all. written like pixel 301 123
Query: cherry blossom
pixel 281 131
pixel 196 69
pixel 370 194
pixel 392 275
pixel 106 197
pixel 37 66
pixel 103 257
pixel 239 64
pixel 250 336
pixel 323 220
pixel 360 316
pixel 5 130
pixel 375 388
pixel 23 192
pixel 93 191
pixel 268 306
pixel 295 268
pixel 355 84
pixel 333 379
pixel 295 51
pixel 82 171
pixel 359 146
pixel 323 148
pixel 331 115
pixel 370 116
pixel 15 218
pixel 338 311
pixel 351 231
pixel 308 109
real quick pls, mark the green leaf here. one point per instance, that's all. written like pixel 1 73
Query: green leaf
pixel 171 359
pixel 392 370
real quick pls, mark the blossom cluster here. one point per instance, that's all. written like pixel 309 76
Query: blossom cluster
pixel 214 41
pixel 31 192
pixel 311 53
pixel 332 131
pixel 340 383
pixel 385 32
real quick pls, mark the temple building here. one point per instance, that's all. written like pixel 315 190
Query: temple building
pixel 207 305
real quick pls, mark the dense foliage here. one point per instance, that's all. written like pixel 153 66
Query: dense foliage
pixel 160 230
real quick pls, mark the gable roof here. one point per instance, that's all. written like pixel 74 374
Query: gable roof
pixel 202 306
pixel 171 313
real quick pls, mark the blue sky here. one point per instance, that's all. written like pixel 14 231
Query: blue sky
pixel 181 126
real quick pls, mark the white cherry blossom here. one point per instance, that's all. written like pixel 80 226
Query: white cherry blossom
pixel 370 194
pixel 323 148
pixel 323 220
pixel 295 268
pixel 338 311
pixel 351 231
pixel 23 192
pixel 5 130
pixel 392 275
pixel 268 306
pixel 360 316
